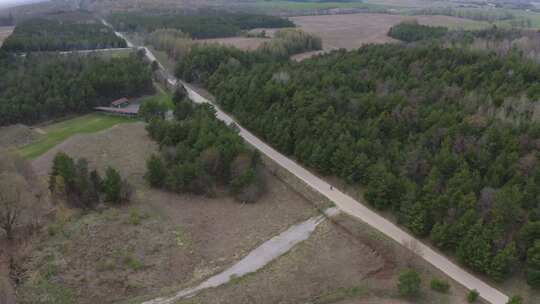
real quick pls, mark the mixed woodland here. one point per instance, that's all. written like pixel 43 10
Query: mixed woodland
pixel 61 35
pixel 412 31
pixel 42 87
pixel 199 26
pixel 198 62
pixel 431 134
pixel 7 20
pixel 199 154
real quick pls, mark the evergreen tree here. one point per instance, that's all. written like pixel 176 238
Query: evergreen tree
pixel 112 186
pixel 156 171
pixel 533 262
pixel 409 283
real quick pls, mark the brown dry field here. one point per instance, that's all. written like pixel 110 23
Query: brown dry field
pixel 414 3
pixel 103 256
pixel 17 135
pixel 5 31
pixel 343 262
pixel 162 242
pixel 354 30
pixel 243 43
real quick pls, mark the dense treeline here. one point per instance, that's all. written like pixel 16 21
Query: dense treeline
pixel 199 26
pixel 41 87
pixel 287 42
pixel 491 16
pixel 412 31
pixel 473 14
pixel 415 127
pixel 175 43
pixel 60 35
pixel 7 20
pixel 523 43
pixel 199 153
pixel 73 181
pixel 202 61
pixel 496 34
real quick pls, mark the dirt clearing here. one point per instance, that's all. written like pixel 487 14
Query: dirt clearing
pixel 161 241
pixel 16 136
pixel 354 30
pixel 5 31
pixel 342 262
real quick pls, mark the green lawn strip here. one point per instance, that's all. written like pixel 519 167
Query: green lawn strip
pixel 58 132
pixel 161 96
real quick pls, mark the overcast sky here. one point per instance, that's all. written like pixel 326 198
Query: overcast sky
pixel 8 3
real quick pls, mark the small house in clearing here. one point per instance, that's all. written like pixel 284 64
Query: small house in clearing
pixel 121 107
pixel 120 103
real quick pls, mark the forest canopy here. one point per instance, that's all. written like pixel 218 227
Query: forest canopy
pixel 41 87
pixel 199 62
pixel 61 35
pixel 430 133
pixel 200 153
pixel 411 31
pixel 199 26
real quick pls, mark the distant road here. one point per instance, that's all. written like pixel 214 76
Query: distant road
pixel 92 51
pixel 349 205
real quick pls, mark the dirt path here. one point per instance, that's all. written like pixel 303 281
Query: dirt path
pixel 353 207
pixel 40 131
pixel 256 259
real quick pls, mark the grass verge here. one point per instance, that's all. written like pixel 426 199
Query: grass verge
pixel 58 132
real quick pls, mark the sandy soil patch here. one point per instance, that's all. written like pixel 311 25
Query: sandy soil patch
pixel 354 30
pixel 40 131
pixel 179 240
pixel 18 135
pixel 243 43
pixel 306 55
pixel 5 31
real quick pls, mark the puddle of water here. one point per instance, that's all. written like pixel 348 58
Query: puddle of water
pixel 256 259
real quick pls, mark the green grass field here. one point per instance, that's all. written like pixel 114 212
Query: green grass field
pixel 58 132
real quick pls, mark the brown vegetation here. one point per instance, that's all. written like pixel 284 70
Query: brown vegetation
pixel 18 135
pixel 162 239
pixel 243 43
pixel 5 31
pixel 343 262
pixel 22 203
pixel 354 30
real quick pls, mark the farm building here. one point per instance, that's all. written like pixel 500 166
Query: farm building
pixel 131 111
pixel 121 107
pixel 120 103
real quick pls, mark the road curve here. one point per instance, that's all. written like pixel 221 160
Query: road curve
pixel 349 205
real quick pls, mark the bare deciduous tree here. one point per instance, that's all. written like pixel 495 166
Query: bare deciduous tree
pixel 10 201
pixel 19 187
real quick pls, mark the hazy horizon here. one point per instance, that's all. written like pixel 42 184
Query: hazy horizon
pixel 11 3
